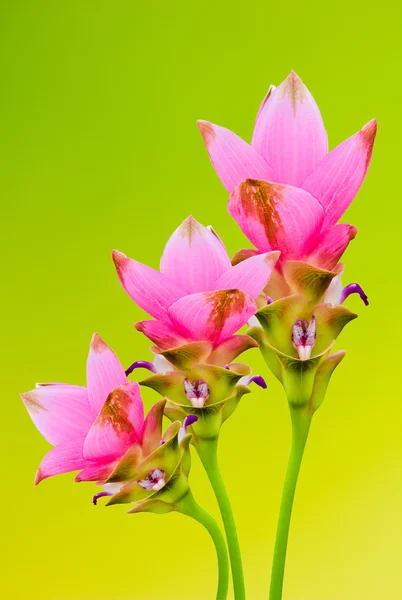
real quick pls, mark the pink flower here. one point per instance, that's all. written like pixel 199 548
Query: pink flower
pixel 287 192
pixel 92 427
pixel 197 295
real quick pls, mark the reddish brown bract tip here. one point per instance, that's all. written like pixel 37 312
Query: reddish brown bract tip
pixel 369 132
pixel 119 259
pixel 293 87
pixel 97 344
pixel 207 131
pixel 189 227
pixel 31 402
pixel 353 231
pixel 40 476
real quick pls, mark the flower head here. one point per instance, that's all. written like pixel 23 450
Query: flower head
pixel 287 192
pixel 93 427
pixel 197 296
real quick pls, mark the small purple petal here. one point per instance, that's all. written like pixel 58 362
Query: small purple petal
pixel 100 495
pixel 270 300
pixel 141 364
pixel 258 380
pixel 354 288
pixel 189 420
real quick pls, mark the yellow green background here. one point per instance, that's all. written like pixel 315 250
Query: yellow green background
pixel 99 150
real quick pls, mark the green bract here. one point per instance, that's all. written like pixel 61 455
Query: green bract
pixel 173 458
pixel 305 381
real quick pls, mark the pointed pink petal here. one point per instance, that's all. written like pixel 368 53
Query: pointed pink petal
pixel 104 373
pixel 151 290
pixel 232 158
pixel 60 411
pixel 63 458
pixel 251 276
pixel 96 471
pixel 276 217
pixel 118 425
pixel 266 98
pixel 212 316
pixel 163 335
pixel 332 245
pixel 289 132
pixel 152 433
pixel 338 177
pixel 194 257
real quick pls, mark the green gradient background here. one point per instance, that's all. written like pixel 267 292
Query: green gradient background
pixel 99 150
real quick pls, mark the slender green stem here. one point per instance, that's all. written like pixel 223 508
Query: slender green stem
pixel 189 506
pixel 300 428
pixel 208 453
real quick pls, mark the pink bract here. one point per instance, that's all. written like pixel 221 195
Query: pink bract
pixel 287 192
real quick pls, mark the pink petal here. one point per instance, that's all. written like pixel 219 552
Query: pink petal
pixel 251 276
pixel 96 471
pixel 338 177
pixel 104 373
pixel 194 257
pixel 289 132
pixel 64 458
pixel 212 316
pixel 276 217
pixel 118 425
pixel 232 158
pixel 163 335
pixel 332 245
pixel 60 412
pixel 151 290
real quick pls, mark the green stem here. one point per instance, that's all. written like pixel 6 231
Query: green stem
pixel 189 506
pixel 300 428
pixel 208 453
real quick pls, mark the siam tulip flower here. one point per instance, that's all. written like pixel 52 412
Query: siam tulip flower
pixel 287 192
pixel 102 431
pixel 198 299
pixel 93 427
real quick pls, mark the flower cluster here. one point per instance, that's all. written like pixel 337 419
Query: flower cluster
pixel 287 193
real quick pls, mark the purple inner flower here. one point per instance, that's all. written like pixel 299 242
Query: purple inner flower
pixel 304 337
pixel 197 392
pixel 155 480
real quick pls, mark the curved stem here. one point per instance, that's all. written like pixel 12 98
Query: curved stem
pixel 189 507
pixel 208 453
pixel 300 428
